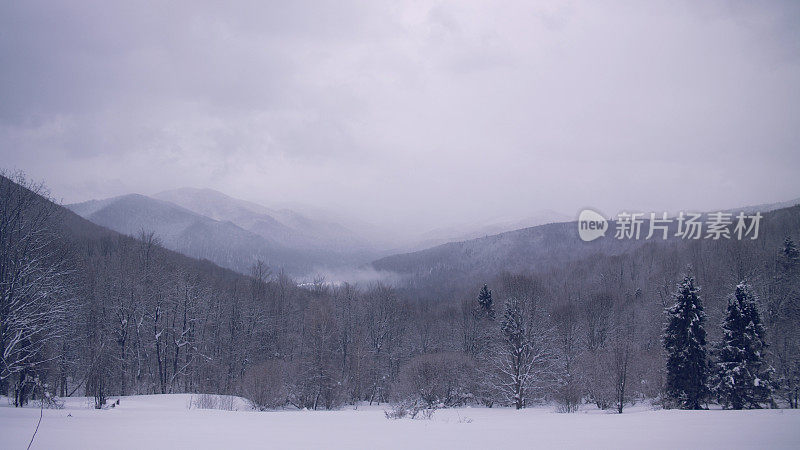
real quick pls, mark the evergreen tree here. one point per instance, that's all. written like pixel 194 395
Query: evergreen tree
pixel 742 377
pixel 485 302
pixel 790 252
pixel 685 342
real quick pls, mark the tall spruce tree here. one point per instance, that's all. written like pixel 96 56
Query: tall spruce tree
pixel 742 377
pixel 485 302
pixel 685 342
pixel 790 251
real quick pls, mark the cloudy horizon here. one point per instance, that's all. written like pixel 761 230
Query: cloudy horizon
pixel 412 116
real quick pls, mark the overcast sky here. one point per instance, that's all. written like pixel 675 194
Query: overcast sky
pixel 412 115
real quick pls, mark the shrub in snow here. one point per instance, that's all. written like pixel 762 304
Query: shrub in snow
pixel 436 380
pixel 52 402
pixel 212 401
pixel 410 409
pixel 264 385
pixel 426 414
pixel 314 386
pixel 464 419
pixel 398 411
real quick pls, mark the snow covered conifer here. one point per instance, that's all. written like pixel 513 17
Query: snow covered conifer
pixel 486 303
pixel 742 377
pixel 685 342
pixel 790 251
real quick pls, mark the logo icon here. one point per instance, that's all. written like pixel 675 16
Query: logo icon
pixel 591 225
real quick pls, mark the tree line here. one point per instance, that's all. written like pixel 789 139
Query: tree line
pixel 86 311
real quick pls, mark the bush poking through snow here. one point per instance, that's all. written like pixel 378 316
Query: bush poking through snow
pixel 52 402
pixel 264 385
pixel 425 414
pixel 464 419
pixel 398 411
pixel 412 410
pixel 212 401
pixel 436 380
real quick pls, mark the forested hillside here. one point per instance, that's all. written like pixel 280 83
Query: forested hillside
pixel 88 310
pixel 444 269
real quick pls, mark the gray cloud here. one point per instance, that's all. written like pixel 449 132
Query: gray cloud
pixel 409 115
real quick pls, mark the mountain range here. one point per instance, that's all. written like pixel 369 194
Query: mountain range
pixel 542 248
pixel 490 227
pixel 233 233
pixel 236 233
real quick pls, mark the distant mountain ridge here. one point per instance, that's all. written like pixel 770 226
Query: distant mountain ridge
pixel 284 226
pixel 766 207
pixel 542 248
pixel 235 233
pixel 230 232
pixel 487 228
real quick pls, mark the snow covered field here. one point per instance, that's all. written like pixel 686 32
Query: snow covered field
pixel 165 421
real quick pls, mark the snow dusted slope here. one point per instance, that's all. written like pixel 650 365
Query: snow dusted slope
pixel 166 422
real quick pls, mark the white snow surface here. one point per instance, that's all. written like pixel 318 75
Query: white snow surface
pixel 166 422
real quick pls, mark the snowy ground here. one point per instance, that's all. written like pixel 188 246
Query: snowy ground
pixel 165 421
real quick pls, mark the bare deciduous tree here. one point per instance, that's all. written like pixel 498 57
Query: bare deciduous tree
pixel 524 357
pixel 33 282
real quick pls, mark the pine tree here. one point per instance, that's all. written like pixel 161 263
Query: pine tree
pixel 790 251
pixel 685 342
pixel 485 302
pixel 742 377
